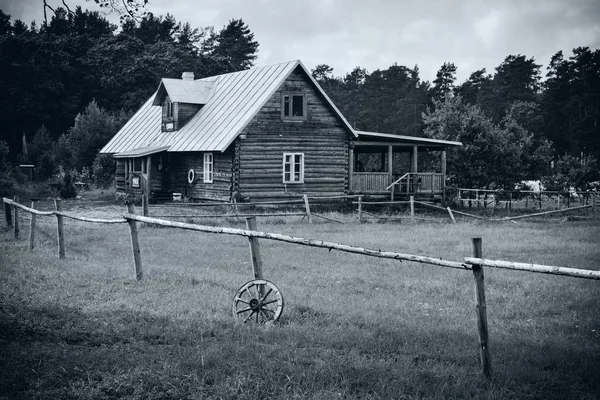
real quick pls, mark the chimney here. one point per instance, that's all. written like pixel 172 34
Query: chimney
pixel 187 76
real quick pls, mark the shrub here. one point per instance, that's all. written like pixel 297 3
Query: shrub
pixel 103 170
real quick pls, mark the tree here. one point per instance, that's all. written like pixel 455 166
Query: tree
pixel 493 155
pixel 232 49
pixel 443 84
pixel 92 130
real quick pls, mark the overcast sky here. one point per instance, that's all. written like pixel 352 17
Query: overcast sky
pixel 372 34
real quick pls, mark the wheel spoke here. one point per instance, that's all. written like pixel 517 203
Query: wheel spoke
pixel 242 300
pixel 248 317
pixel 266 295
pixel 264 315
pixel 249 294
pixel 244 310
pixel 270 302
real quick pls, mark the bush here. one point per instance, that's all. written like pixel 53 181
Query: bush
pixel 67 189
pixel 103 170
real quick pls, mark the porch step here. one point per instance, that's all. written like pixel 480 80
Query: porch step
pixel 160 197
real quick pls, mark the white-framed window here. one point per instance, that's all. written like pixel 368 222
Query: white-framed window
pixel 208 167
pixel 293 106
pixel 293 167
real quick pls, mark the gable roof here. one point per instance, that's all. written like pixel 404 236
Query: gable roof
pixel 234 100
pixel 184 91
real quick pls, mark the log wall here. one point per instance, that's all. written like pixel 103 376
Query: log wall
pixel 219 189
pixel 321 136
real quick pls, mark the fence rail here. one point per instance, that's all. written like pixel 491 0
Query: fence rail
pixel 475 264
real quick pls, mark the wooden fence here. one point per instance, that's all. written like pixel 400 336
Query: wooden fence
pixel 474 264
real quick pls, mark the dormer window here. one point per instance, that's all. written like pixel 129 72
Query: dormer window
pixel 293 106
pixel 169 109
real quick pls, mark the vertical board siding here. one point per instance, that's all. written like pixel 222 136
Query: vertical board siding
pixel 321 137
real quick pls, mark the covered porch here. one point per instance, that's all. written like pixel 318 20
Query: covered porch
pixel 398 166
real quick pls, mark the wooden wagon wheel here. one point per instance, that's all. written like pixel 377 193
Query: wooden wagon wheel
pixel 259 301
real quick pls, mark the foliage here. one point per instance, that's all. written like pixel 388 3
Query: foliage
pixel 443 84
pixel 92 130
pixel 103 170
pixel 232 49
pixel 493 155
pixel 572 172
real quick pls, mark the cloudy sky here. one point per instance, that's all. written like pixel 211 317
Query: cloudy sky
pixel 374 34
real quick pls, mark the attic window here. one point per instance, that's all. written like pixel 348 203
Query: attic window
pixel 169 108
pixel 294 106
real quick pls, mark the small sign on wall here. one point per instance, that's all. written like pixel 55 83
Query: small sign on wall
pixel 135 182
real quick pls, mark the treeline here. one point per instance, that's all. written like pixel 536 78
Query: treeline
pixel 514 125
pixel 67 86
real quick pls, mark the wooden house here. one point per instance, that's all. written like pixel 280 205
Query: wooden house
pixel 264 133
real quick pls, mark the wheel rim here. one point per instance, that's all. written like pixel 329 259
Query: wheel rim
pixel 258 301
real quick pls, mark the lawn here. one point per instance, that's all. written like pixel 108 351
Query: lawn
pixel 353 327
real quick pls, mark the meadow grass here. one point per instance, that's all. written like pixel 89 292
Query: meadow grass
pixel 353 327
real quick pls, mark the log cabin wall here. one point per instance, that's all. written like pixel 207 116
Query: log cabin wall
pixel 120 179
pixel 321 137
pixel 219 189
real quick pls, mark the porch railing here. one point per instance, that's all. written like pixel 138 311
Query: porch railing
pixel 370 181
pixel 409 183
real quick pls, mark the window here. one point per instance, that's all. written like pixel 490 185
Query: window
pixel 293 167
pixel 208 167
pixel 293 106
pixel 137 164
pixel 169 108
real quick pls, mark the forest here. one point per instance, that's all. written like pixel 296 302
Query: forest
pixel 70 83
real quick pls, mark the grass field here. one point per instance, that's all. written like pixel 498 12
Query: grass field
pixel 353 327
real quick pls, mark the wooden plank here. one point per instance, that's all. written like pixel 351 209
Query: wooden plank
pixel 16 222
pixel 307 207
pixel 135 245
pixel 451 215
pixel 32 228
pixel 481 309
pixel 60 230
pixel 254 249
pixel 7 214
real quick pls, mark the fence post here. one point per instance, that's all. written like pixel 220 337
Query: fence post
pixel 135 244
pixel 145 204
pixel 32 228
pixel 594 205
pixel 412 209
pixel 60 232
pixel 451 215
pixel 8 215
pixel 360 208
pixel 255 252
pixel 482 325
pixel 16 222
pixel 307 206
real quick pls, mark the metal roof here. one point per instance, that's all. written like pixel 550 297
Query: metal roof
pixel 233 101
pixel 184 91
pixel 409 139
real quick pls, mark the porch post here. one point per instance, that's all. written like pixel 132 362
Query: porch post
pixel 444 176
pixel 149 183
pixel 413 164
pixel 350 165
pixel 390 165
pixel 414 169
